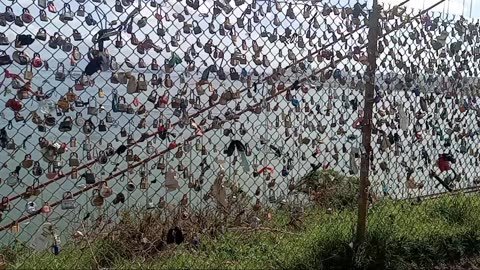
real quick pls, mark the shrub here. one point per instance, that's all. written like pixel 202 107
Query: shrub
pixel 330 189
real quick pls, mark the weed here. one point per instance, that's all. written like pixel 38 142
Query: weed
pixel 400 236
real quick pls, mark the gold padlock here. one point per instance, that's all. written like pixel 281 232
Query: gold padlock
pixel 101 93
pixel 144 183
pixel 14 229
pixel 63 104
pixel 74 174
pixel 73 142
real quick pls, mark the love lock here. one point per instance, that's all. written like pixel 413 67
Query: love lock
pixel 66 14
pixel 89 177
pixel 12 180
pixel 60 72
pixel 14 104
pixel 130 186
pixel 92 109
pixel 105 190
pixel 57 163
pixel 444 161
pixel 68 202
pixel 271 197
pixel 31 207
pixel 97 200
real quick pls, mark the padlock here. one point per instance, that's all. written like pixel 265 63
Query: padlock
pixel 123 132
pixel 28 74
pixel 14 229
pixel 51 172
pixel 129 157
pixel 97 200
pixel 89 177
pixel 68 202
pixel 118 41
pixel 46 208
pixel 74 173
pixel 57 163
pixel 101 93
pixel 144 184
pixel 92 109
pixel 73 161
pixel 118 6
pixel 14 104
pixel 42 3
pixel 161 163
pixel 88 127
pixel 102 157
pixel 271 196
pixel 31 208
pixel 5 204
pixel 105 190
pixel 60 72
pixel 130 186
pixel 37 170
pixel 66 125
pixel 27 161
pixel 101 126
pixel 141 83
pixel 12 180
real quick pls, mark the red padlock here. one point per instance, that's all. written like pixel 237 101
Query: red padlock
pixel 443 164
pixel 51 7
pixel 325 167
pixel 305 89
pixel 46 208
pixel 26 16
pixel 357 124
pixel 164 99
pixel 419 136
pixel 64 146
pixel 14 104
pixel 37 62
pixel 172 145
pixel 158 14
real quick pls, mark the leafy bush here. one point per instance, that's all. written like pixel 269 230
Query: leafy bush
pixel 330 189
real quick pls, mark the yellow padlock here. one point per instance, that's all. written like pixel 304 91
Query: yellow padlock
pixel 101 93
pixel 15 228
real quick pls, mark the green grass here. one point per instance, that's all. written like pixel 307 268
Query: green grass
pixel 400 236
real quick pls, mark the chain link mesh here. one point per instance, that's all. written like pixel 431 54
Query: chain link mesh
pixel 204 112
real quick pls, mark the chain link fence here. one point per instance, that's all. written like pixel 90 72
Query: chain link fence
pixel 198 113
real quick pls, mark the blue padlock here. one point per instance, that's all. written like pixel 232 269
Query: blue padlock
pixel 56 249
pixel 295 102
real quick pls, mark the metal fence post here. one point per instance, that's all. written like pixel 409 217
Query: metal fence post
pixel 367 124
